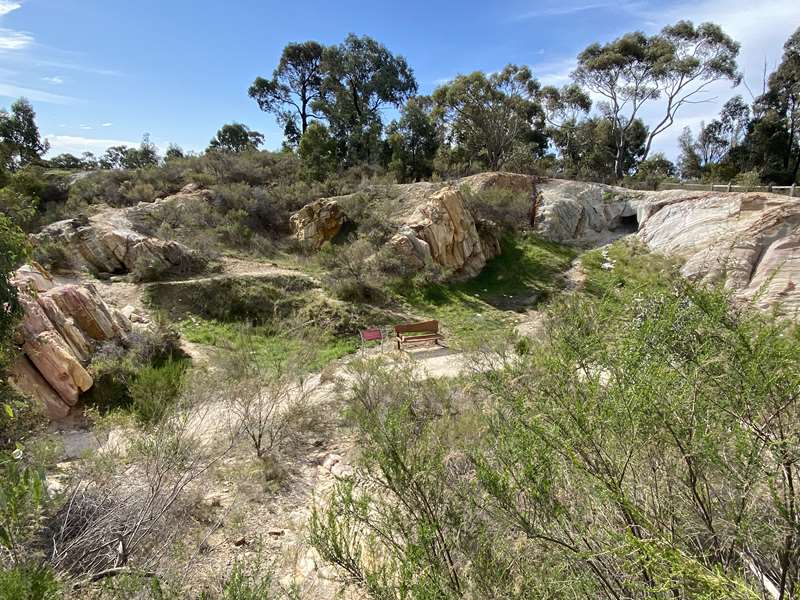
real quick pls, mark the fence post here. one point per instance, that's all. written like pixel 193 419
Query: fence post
pixel 729 187
pixel 791 190
pixel 769 188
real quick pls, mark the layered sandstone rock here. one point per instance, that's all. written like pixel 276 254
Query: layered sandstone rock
pixel 111 241
pixel 432 222
pixel 574 211
pixel 748 241
pixel 61 327
pixel 446 231
pixel 317 222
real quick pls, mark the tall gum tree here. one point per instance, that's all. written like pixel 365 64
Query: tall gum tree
pixel 676 66
pixel 294 86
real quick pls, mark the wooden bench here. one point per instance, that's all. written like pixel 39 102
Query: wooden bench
pixel 418 333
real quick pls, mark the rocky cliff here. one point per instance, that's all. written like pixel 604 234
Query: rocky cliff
pixel 748 241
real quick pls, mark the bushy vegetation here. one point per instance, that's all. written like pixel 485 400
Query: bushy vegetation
pixel 638 451
pixel 143 377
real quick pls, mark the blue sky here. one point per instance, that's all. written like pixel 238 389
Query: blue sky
pixel 106 72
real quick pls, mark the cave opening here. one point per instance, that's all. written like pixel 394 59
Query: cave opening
pixel 628 224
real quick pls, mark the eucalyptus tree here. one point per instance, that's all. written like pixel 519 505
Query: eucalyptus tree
pixel 362 77
pixel 235 138
pixel 488 116
pixel 20 141
pixel 675 66
pixel 294 86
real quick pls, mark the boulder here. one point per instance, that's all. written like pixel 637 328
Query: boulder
pixel 57 365
pixel 32 277
pixel 317 222
pixel 448 228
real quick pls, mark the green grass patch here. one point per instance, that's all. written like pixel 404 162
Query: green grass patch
pixel 526 273
pixel 627 265
pixel 263 344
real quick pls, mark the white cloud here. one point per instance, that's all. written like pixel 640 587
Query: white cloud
pixel 54 80
pixel 106 125
pixel 14 40
pixel 75 144
pixel 6 7
pixel 555 72
pixel 760 27
pixel 86 127
pixel 10 90
pixel 561 9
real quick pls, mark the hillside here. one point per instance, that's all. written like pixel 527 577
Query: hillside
pixel 248 369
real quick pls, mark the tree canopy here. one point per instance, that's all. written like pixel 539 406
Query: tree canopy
pixel 295 84
pixel 489 116
pixel 236 138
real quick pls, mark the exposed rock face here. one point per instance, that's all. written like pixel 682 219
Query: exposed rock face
pixel 447 228
pixel 60 328
pixel 432 222
pixel 317 222
pixel 749 241
pixel 108 242
pixel 573 211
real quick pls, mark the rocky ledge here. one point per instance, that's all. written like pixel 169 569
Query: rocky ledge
pixel 112 242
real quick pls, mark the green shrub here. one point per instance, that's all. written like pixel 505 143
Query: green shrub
pixel 145 378
pixel 257 299
pixel 154 389
pixel 643 448
pixel 29 583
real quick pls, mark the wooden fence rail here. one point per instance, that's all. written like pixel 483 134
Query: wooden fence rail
pixel 788 190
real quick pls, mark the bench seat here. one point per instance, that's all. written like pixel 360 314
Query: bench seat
pixel 418 333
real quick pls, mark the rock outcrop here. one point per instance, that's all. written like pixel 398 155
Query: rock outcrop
pixel 60 329
pixel 317 222
pixel 590 213
pixel 431 220
pixel 442 229
pixel 111 242
pixel 748 241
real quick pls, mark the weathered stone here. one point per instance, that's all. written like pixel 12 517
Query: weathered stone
pixel 107 243
pixel 58 366
pixel 59 331
pixel 317 222
pixel 32 277
pixel 29 382
pixel 748 241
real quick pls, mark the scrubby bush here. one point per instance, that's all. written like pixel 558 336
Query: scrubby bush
pixel 144 377
pixel 351 272
pixel 508 209
pixel 642 449
pixel 29 583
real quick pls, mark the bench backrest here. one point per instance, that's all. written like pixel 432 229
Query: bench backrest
pixel 371 335
pixel 424 327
